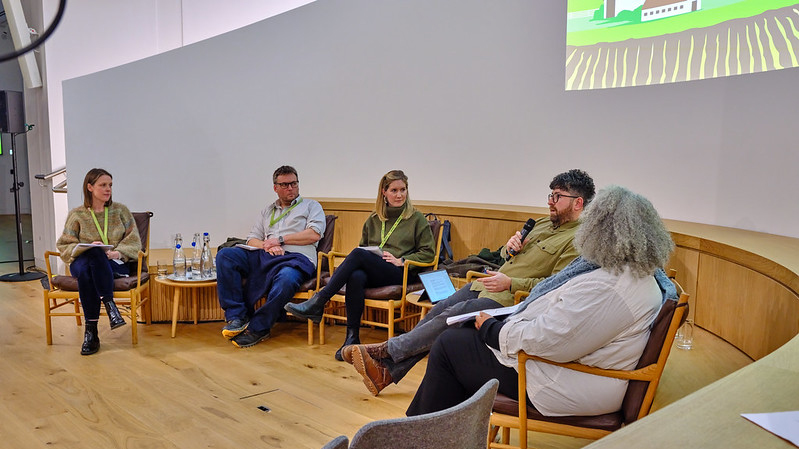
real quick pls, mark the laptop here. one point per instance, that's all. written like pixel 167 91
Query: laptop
pixel 437 285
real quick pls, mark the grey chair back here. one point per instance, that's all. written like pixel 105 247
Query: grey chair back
pixel 337 443
pixel 464 426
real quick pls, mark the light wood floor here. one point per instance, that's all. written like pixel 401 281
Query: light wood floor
pixel 197 390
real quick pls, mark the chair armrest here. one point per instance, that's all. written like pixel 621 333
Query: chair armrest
pixel 49 270
pixel 320 256
pixel 331 259
pixel 646 373
pixel 405 271
pixel 519 296
pixel 419 264
pixel 471 275
pixel 143 257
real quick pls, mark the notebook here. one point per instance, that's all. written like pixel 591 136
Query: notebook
pixel 437 285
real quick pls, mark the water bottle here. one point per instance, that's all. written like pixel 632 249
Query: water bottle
pixel 178 259
pixel 206 261
pixel 196 246
pixel 193 270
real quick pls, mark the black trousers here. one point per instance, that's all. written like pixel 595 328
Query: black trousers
pixel 95 274
pixel 459 364
pixel 361 269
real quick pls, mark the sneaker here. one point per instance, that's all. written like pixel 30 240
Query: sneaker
pixel 249 338
pixel 234 327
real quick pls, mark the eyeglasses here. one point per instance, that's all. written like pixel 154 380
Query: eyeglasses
pixel 555 197
pixel 286 185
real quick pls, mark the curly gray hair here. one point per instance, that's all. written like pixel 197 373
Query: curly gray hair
pixel 621 229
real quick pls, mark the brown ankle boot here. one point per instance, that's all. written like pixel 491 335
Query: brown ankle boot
pixel 376 350
pixel 375 374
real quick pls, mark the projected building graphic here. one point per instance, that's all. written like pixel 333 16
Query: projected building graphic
pixel 651 9
pixel 622 43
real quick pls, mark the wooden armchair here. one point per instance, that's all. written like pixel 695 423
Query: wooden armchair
pixel 311 286
pixel 132 293
pixel 643 382
pixel 384 306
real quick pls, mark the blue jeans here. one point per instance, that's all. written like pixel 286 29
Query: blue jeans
pixel 95 274
pixel 233 266
pixel 407 349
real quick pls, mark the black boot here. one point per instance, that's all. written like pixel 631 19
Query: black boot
pixel 91 341
pixel 353 338
pixel 114 317
pixel 311 309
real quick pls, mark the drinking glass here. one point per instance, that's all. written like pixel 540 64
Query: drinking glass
pixel 162 269
pixel 685 335
pixel 196 272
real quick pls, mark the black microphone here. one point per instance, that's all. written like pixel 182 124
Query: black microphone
pixel 525 230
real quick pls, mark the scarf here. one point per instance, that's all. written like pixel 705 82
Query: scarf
pixel 580 266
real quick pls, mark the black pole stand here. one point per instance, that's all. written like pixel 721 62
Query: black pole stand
pixel 22 275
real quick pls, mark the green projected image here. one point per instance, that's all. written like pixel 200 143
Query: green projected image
pixel 620 43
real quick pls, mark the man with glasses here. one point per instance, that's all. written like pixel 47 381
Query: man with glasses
pixel 546 250
pixel 279 256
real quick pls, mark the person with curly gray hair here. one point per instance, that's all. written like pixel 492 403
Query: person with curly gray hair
pixel 597 311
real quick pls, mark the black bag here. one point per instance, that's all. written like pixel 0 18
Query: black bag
pixel 445 254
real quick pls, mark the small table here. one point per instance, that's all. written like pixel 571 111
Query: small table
pixel 192 286
pixel 415 299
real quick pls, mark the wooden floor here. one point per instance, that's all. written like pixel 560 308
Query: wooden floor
pixel 197 390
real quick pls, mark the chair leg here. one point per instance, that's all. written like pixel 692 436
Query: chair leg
pixel 322 331
pixel 48 325
pixel 147 310
pixel 391 323
pixel 76 302
pixel 310 332
pixel 134 307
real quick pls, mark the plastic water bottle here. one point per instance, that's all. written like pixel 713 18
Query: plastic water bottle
pixel 206 261
pixel 178 259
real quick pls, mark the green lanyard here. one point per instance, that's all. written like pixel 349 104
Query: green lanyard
pixel 103 232
pixel 383 234
pixel 274 220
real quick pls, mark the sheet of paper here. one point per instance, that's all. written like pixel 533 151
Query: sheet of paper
pixel 247 247
pixel 493 312
pixel 373 249
pixel 81 247
pixel 783 424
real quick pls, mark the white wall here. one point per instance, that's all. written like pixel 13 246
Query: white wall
pixel 466 95
pixel 95 36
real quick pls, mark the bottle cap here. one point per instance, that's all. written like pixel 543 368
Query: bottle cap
pixel 177 246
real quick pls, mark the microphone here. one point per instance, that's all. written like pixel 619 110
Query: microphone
pixel 528 226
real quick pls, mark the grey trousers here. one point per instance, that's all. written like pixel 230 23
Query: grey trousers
pixel 407 349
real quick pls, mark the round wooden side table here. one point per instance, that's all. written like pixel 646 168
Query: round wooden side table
pixel 191 286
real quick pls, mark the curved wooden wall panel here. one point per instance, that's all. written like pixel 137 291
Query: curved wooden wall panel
pixel 744 285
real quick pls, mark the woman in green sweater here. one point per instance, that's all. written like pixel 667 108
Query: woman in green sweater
pixel 399 232
pixel 110 227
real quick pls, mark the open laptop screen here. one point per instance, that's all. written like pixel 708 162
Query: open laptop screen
pixel 437 285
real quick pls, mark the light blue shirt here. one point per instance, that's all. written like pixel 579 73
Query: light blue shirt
pixel 307 214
